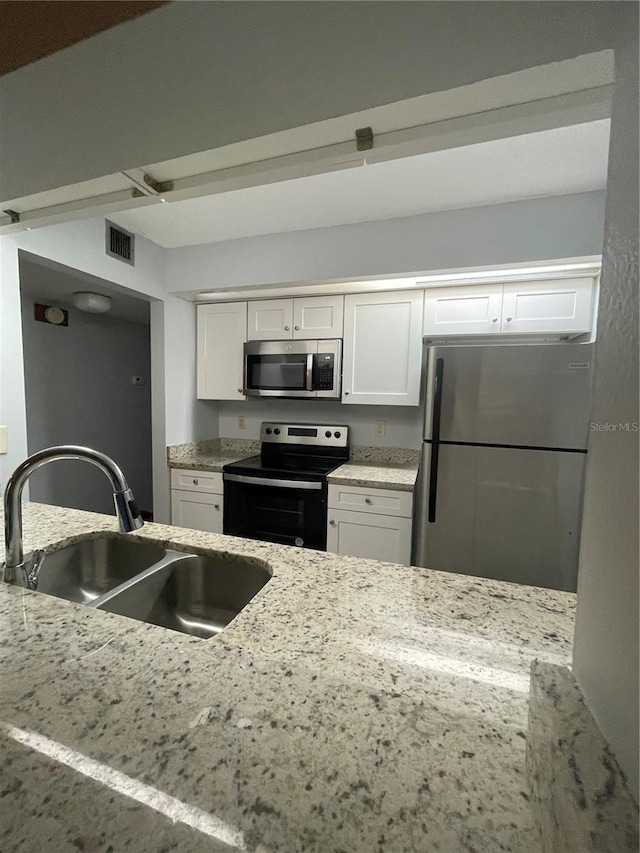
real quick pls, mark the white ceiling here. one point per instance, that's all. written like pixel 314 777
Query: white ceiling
pixel 553 162
pixel 52 284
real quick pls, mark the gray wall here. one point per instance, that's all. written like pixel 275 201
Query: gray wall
pixel 79 391
pixel 606 639
pixel 516 232
pixel 403 423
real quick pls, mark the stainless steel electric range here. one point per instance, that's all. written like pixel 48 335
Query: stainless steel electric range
pixel 281 495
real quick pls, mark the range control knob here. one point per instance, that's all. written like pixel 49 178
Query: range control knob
pixel 327 434
pixel 337 435
pixel 268 430
pixel 276 431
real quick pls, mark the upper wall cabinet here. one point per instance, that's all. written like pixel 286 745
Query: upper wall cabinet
pixel 552 306
pixel 310 317
pixel 318 317
pixel 534 307
pixel 222 332
pixel 463 310
pixel 382 354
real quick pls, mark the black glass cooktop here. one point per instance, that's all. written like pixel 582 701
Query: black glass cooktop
pixel 293 466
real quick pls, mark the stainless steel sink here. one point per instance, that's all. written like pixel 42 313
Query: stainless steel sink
pixel 86 570
pixel 197 595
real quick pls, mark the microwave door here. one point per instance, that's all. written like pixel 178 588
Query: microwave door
pixel 277 374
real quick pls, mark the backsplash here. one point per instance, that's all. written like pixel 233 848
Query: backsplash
pixel 391 455
pixel 373 455
pixel 403 423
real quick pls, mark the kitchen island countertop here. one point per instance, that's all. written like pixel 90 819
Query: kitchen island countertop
pixel 352 706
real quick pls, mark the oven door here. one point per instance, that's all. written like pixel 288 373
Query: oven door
pixel 289 512
pixel 279 368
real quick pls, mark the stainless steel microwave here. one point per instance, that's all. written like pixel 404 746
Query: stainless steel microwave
pixel 293 369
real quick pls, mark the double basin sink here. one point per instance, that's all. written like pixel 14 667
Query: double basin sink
pixel 191 593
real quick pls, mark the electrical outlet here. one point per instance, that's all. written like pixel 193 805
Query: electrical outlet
pixel 380 428
pixel 3 439
pixel 241 422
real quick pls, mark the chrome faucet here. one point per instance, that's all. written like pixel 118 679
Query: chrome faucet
pixel 127 510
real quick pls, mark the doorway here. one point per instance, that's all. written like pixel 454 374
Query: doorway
pixel 87 382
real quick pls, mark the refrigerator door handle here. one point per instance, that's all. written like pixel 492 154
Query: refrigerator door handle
pixel 435 434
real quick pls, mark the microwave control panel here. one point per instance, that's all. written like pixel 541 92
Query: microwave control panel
pixel 324 368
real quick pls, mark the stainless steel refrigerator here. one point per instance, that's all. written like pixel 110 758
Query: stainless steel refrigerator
pixel 503 458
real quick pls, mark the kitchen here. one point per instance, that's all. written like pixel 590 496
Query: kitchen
pixel 261 602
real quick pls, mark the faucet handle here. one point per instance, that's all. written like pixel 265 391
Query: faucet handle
pixel 35 565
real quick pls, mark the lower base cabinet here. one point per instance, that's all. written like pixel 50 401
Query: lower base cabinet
pixel 198 502
pixel 380 531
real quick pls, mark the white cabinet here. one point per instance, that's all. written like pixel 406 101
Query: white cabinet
pixel 382 353
pixel 221 333
pixel 548 306
pixel 318 317
pixel 463 310
pixel 377 528
pixel 538 307
pixel 281 319
pixel 197 500
pixel 270 320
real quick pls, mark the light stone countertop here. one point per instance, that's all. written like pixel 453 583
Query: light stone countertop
pixel 379 475
pixel 373 467
pixel 214 461
pixel 352 707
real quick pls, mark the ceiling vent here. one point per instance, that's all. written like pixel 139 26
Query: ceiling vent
pixel 119 243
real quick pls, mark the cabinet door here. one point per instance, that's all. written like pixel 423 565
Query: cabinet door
pixel 463 310
pixel 197 511
pixel 222 331
pixel 370 536
pixel 318 317
pixel 561 305
pixel 270 320
pixel 382 348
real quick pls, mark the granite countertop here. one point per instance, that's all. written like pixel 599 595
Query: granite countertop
pixel 214 461
pixel 352 707
pixel 373 467
pixel 379 475
pixel 212 454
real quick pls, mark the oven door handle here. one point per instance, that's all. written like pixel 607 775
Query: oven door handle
pixel 267 481
pixel 309 371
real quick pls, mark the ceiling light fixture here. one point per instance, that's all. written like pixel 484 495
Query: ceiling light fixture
pixel 92 303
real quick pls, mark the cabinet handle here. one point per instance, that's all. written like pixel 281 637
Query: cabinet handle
pixel 509 319
pixel 286 328
pixel 216 506
pixel 346 393
pixel 368 500
pixel 494 320
pixel 297 328
pixel 195 482
pixel 332 522
pixel 239 390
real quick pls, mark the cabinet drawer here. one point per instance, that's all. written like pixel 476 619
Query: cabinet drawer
pixel 196 481
pixel 370 536
pixel 382 501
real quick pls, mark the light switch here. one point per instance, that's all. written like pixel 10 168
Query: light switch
pixel 4 439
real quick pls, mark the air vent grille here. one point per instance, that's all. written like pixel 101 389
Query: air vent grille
pixel 119 243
